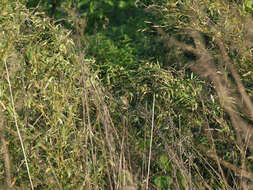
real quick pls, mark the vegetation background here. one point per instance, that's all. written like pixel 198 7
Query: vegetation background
pixel 126 94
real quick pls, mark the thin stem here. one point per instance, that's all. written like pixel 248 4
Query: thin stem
pixel 16 123
pixel 150 146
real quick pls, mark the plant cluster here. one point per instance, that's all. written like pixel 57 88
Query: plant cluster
pixel 182 68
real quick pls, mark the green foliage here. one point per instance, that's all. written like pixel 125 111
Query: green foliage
pixel 164 163
pixel 39 60
pixel 249 6
pixel 110 53
pixel 162 182
pixel 77 133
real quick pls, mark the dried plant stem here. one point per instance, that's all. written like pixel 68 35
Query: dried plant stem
pixel 55 177
pixel 171 154
pixel 236 76
pixel 5 153
pixel 17 127
pixel 151 139
pixel 213 148
pixel 226 164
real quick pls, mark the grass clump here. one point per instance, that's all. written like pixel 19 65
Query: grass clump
pixel 64 126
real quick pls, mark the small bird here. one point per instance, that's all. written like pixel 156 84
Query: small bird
pixel 124 100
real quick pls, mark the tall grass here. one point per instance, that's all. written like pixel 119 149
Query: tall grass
pixel 177 131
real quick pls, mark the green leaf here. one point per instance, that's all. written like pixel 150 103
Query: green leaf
pixel 162 182
pixel 164 163
pixel 83 2
pixel 110 2
pixel 249 5
pixel 122 4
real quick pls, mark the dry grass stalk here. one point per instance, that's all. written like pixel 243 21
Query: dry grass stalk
pixel 150 146
pixel 225 89
pixel 5 153
pixel 17 127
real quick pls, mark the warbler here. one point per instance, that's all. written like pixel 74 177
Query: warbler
pixel 124 100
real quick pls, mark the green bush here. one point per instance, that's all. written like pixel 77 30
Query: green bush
pixel 61 94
